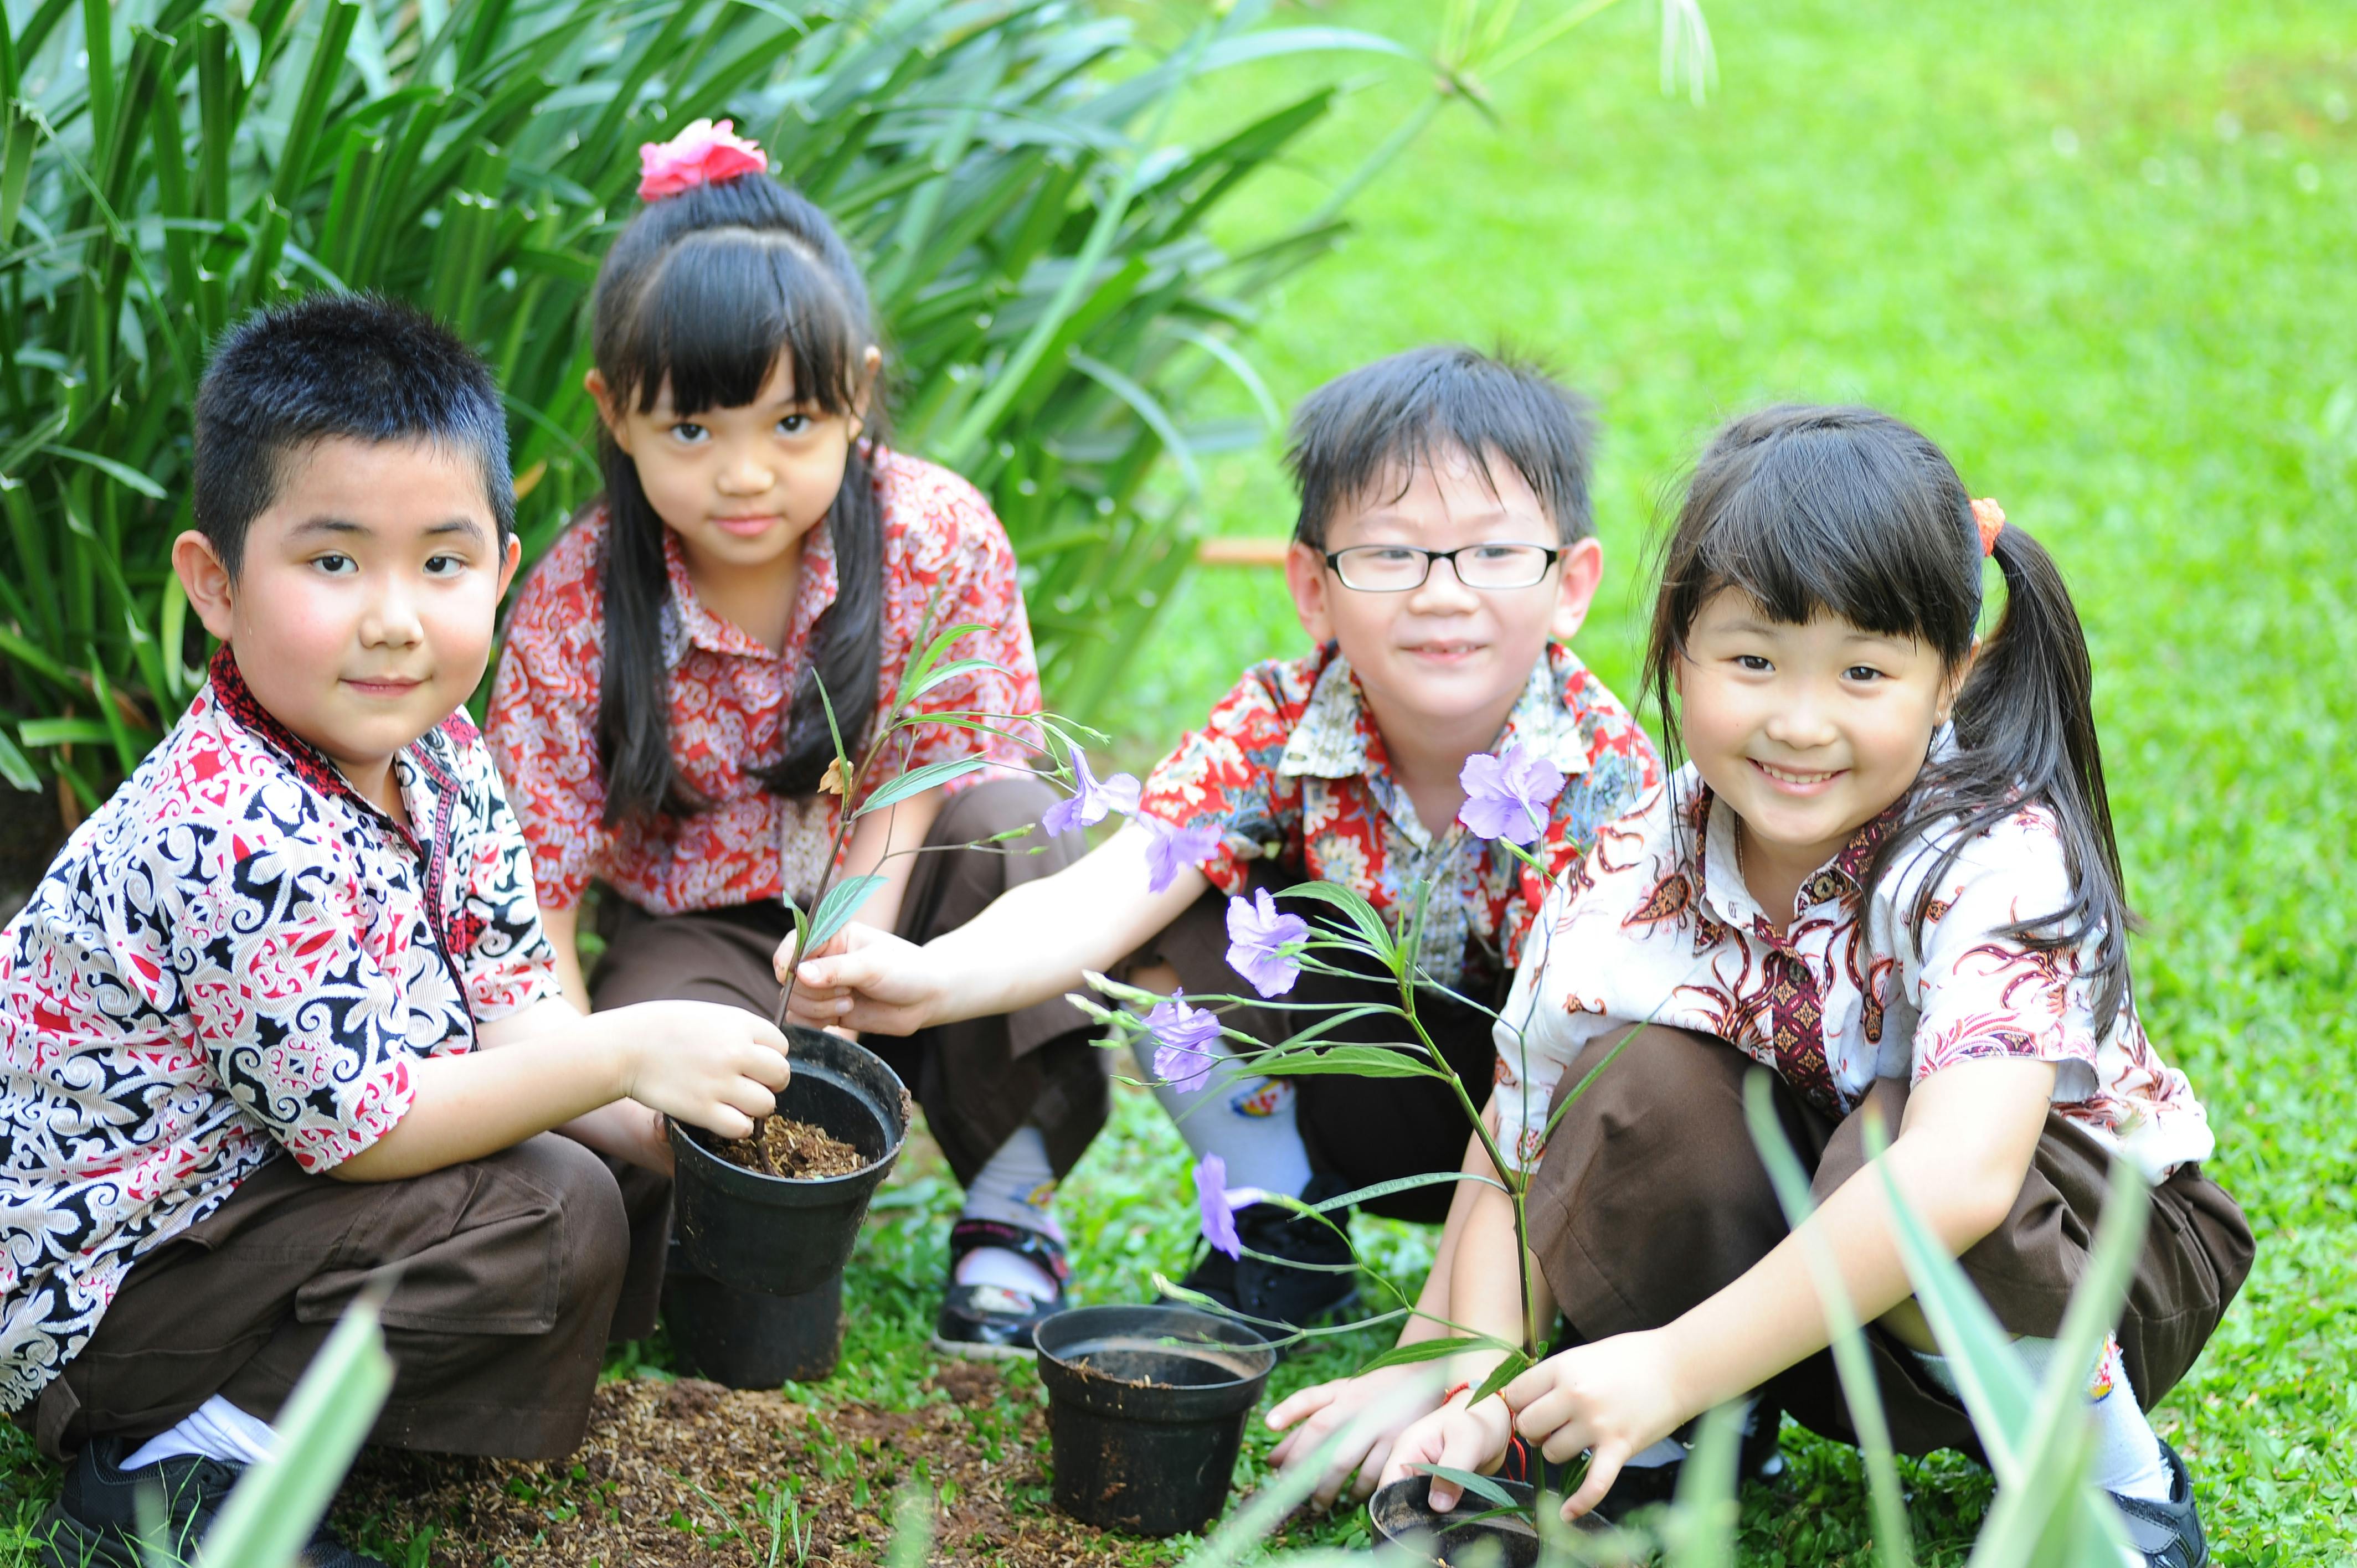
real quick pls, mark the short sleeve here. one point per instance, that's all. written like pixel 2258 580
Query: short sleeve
pixel 961 554
pixel 1983 994
pixel 509 964
pixel 541 731
pixel 1223 775
pixel 306 1030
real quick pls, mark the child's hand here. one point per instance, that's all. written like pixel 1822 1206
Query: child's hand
pixel 1327 1408
pixel 862 979
pixel 1613 1399
pixel 703 1062
pixel 1458 1436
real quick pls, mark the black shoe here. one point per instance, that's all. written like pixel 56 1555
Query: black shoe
pixel 990 1322
pixel 1275 1293
pixel 95 1519
pixel 2167 1533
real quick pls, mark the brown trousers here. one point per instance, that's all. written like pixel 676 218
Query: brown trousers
pixel 1362 1130
pixel 508 1273
pixel 978 1080
pixel 1651 1197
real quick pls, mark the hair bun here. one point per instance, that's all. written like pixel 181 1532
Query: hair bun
pixel 702 154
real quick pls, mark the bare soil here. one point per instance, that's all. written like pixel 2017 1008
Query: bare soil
pixel 691 1474
pixel 796 1150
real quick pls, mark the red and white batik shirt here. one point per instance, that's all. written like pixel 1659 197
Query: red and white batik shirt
pixel 1656 926
pixel 1290 766
pixel 236 956
pixel 947 562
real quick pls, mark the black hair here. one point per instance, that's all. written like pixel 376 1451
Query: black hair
pixel 710 291
pixel 1364 426
pixel 1853 514
pixel 352 365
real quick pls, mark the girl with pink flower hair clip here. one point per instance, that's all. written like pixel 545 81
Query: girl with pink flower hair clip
pixel 760 574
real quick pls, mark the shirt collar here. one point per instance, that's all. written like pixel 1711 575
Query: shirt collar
pixel 1336 737
pixel 420 773
pixel 698 626
pixel 1841 877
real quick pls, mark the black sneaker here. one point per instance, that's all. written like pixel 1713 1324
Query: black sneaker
pixel 2167 1533
pixel 95 1519
pixel 992 1322
pixel 1275 1292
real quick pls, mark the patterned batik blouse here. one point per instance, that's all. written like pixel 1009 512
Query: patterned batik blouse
pixel 1656 926
pixel 1291 767
pixel 236 956
pixel 947 562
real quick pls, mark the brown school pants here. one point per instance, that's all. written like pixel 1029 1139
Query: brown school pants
pixel 1651 1197
pixel 978 1080
pixel 509 1274
pixel 1361 1129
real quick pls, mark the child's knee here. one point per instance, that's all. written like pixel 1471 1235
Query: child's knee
pixel 585 1226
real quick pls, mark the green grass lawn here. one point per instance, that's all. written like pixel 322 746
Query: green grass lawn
pixel 2106 258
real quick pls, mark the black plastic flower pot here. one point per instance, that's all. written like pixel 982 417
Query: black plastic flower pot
pixel 759 1232
pixel 1146 1411
pixel 1463 1538
pixel 747 1339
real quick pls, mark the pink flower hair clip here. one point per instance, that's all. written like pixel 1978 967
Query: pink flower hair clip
pixel 1989 518
pixel 702 154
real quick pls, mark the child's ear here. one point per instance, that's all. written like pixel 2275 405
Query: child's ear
pixel 1581 567
pixel 870 365
pixel 1305 578
pixel 205 580
pixel 510 559
pixel 594 383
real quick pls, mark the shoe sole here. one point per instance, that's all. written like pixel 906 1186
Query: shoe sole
pixel 66 1543
pixel 968 1349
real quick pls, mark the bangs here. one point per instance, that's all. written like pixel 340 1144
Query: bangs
pixel 723 310
pixel 1818 522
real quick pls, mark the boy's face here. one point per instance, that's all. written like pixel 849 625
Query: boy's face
pixel 1444 659
pixel 362 612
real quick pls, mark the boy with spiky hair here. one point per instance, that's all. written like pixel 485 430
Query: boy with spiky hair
pixel 280 1026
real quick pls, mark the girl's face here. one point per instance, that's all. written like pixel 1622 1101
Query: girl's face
pixel 1807 732
pixel 739 486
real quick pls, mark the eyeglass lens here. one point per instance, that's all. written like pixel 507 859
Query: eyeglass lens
pixel 1395 568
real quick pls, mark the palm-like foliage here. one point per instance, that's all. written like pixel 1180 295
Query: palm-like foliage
pixel 1050 302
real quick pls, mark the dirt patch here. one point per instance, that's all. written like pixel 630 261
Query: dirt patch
pixel 782 1148
pixel 691 1474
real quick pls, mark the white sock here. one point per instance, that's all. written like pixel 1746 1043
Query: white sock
pixel 215 1430
pixel 1017 1186
pixel 2127 1453
pixel 1247 1121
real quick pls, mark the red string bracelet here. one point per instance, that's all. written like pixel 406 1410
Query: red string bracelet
pixel 1455 1391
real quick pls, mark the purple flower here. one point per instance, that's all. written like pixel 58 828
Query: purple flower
pixel 1173 848
pixel 1091 800
pixel 1508 797
pixel 1218 1203
pixel 1257 939
pixel 1186 1042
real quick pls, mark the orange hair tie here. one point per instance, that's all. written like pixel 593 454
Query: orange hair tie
pixel 1991 519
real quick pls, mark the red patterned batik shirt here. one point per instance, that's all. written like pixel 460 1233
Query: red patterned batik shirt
pixel 1291 767
pixel 946 563
pixel 235 955
pixel 1658 927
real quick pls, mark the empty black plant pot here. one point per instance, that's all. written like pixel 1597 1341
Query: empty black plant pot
pixel 781 1237
pixel 749 1339
pixel 1402 1514
pixel 1146 1411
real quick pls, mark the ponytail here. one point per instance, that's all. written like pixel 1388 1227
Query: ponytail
pixel 2025 728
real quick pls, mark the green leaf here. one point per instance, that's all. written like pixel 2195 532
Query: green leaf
pixel 912 679
pixel 1515 1364
pixel 1426 1350
pixel 122 474
pixel 1401 1184
pixel 835 910
pixel 917 780
pixel 15 766
pixel 1359 1061
pixel 936 678
pixel 1357 910
pixel 1479 1485
pixel 64 732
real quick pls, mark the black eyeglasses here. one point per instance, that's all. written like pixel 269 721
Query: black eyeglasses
pixel 1397 568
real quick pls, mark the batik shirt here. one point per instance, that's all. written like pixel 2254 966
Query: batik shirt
pixel 947 562
pixel 1291 767
pixel 236 956
pixel 1657 926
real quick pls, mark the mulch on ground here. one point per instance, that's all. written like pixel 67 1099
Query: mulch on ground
pixel 692 1475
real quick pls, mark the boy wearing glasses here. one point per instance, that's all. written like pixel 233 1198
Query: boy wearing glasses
pixel 1444 556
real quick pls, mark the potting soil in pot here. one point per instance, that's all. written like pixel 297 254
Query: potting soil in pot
pixel 796 1150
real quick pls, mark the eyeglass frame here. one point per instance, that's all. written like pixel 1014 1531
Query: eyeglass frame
pixel 1553 555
